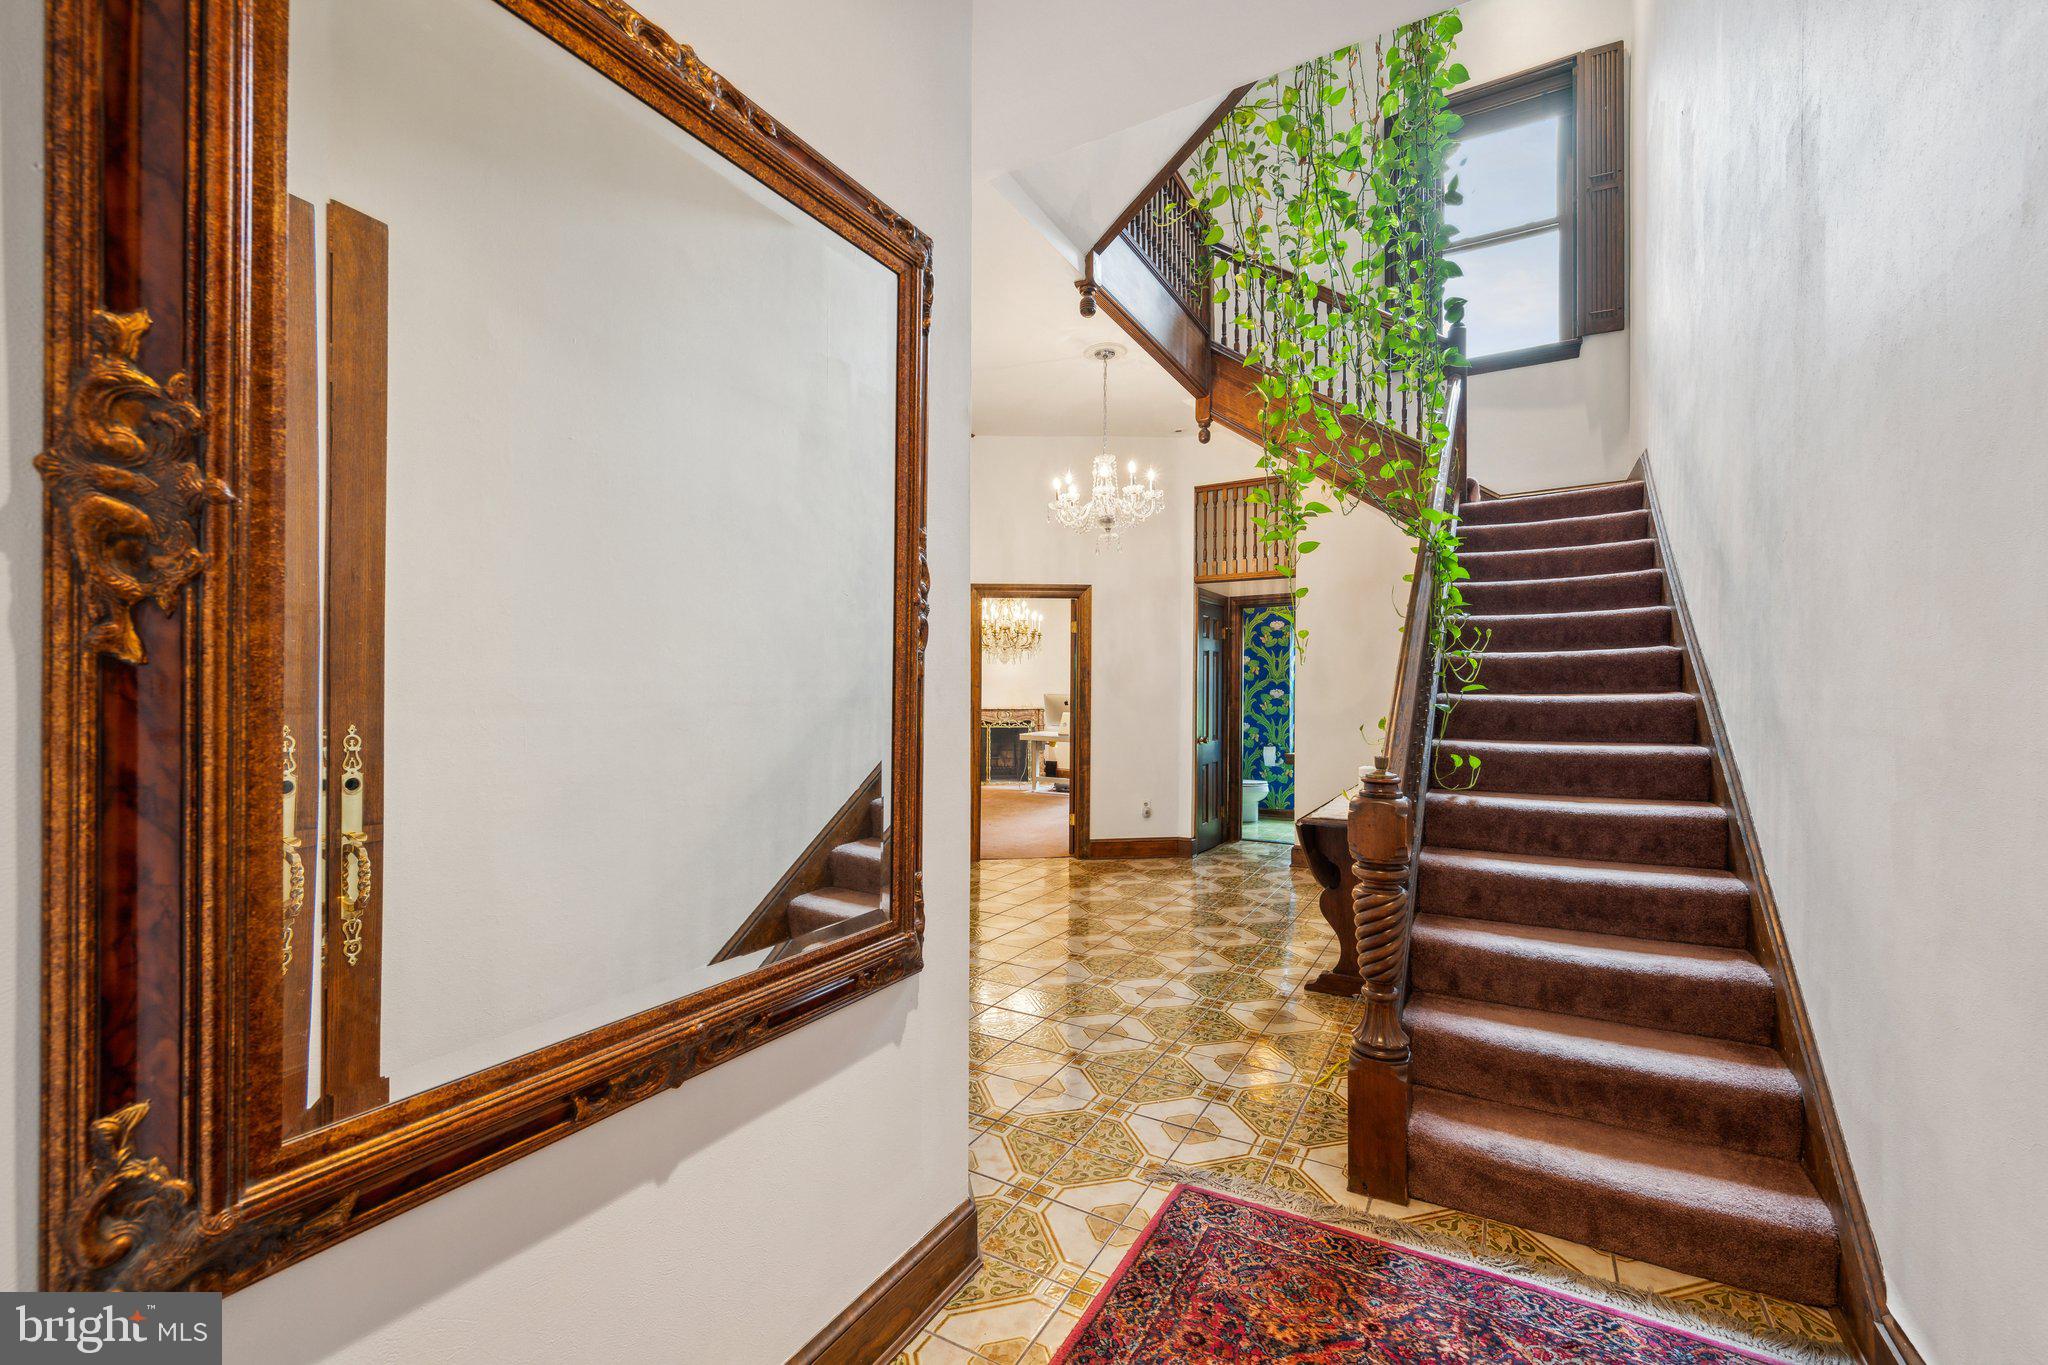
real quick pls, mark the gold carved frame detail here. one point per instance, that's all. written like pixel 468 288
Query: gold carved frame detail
pixel 164 1163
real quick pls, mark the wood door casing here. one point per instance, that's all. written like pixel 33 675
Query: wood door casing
pixel 1081 689
pixel 1212 720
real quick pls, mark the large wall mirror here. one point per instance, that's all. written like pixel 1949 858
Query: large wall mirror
pixel 485 605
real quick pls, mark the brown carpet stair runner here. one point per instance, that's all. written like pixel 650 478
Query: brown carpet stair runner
pixel 1594 1044
pixel 842 876
pixel 856 881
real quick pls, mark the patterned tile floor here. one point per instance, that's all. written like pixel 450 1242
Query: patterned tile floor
pixel 1127 1014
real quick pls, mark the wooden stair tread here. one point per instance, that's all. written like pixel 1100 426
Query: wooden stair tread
pixel 1705 1210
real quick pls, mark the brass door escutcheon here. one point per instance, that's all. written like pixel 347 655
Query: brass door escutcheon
pixel 355 848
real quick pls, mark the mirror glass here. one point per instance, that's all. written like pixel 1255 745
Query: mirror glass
pixel 589 516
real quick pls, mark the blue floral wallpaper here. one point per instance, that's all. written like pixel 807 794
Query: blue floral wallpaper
pixel 1269 701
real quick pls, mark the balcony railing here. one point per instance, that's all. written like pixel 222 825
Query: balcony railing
pixel 1228 544
pixel 1167 234
pixel 1238 320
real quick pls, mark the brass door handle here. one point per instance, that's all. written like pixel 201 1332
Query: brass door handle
pixel 294 865
pixel 355 894
pixel 355 848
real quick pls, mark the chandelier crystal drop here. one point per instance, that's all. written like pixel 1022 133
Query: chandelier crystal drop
pixel 1108 509
pixel 1010 630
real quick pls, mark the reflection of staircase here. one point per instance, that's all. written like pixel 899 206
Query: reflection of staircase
pixel 840 877
pixel 856 880
pixel 1594 1044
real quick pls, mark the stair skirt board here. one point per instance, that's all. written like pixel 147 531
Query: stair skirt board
pixel 1595 1047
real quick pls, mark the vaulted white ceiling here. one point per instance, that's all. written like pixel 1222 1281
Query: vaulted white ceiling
pixel 1051 75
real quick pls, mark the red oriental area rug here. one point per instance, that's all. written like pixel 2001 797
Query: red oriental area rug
pixel 1215 1279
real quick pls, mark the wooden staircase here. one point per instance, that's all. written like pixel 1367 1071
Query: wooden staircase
pixel 1593 1042
pixel 839 882
pixel 1578 1015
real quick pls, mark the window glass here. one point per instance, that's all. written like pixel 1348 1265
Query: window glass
pixel 1512 292
pixel 1508 176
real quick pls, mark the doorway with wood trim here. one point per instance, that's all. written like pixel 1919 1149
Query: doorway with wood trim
pixel 1244 669
pixel 1261 670
pixel 1030 708
pixel 1244 716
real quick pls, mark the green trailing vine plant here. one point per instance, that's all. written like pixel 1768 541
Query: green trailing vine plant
pixel 1325 189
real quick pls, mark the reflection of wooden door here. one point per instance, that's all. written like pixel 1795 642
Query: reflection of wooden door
pixel 1212 713
pixel 357 382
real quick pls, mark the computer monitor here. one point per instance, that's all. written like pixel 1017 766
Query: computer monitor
pixel 1059 707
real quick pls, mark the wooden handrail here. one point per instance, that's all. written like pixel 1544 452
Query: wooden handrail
pixel 1385 834
pixel 1406 717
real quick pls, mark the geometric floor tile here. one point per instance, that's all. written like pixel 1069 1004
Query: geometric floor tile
pixel 1132 1014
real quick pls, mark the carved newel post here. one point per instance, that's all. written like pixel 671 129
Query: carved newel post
pixel 1381 818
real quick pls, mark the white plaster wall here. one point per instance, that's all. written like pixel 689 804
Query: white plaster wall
pixel 1144 612
pixel 727 1221
pixel 1556 425
pixel 1840 348
pixel 1568 422
pixel 1079 193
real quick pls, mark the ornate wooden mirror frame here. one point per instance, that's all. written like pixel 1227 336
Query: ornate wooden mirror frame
pixel 165 1164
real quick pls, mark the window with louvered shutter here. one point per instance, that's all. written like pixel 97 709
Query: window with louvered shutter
pixel 1542 234
pixel 1601 98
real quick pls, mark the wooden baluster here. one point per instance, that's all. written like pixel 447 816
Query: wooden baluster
pixel 1245 531
pixel 1251 533
pixel 1215 531
pixel 1230 530
pixel 1322 342
pixel 1458 423
pixel 1381 819
pixel 1209 551
pixel 1240 528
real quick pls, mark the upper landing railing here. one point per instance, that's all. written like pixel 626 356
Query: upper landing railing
pixel 1151 273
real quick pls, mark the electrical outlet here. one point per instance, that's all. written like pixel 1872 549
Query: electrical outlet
pixel 1148 810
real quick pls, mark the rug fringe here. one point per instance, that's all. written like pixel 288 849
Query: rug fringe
pixel 1707 1322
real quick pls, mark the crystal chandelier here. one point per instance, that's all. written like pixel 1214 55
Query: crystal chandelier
pixel 1109 508
pixel 1009 629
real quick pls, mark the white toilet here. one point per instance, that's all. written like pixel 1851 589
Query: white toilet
pixel 1254 792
